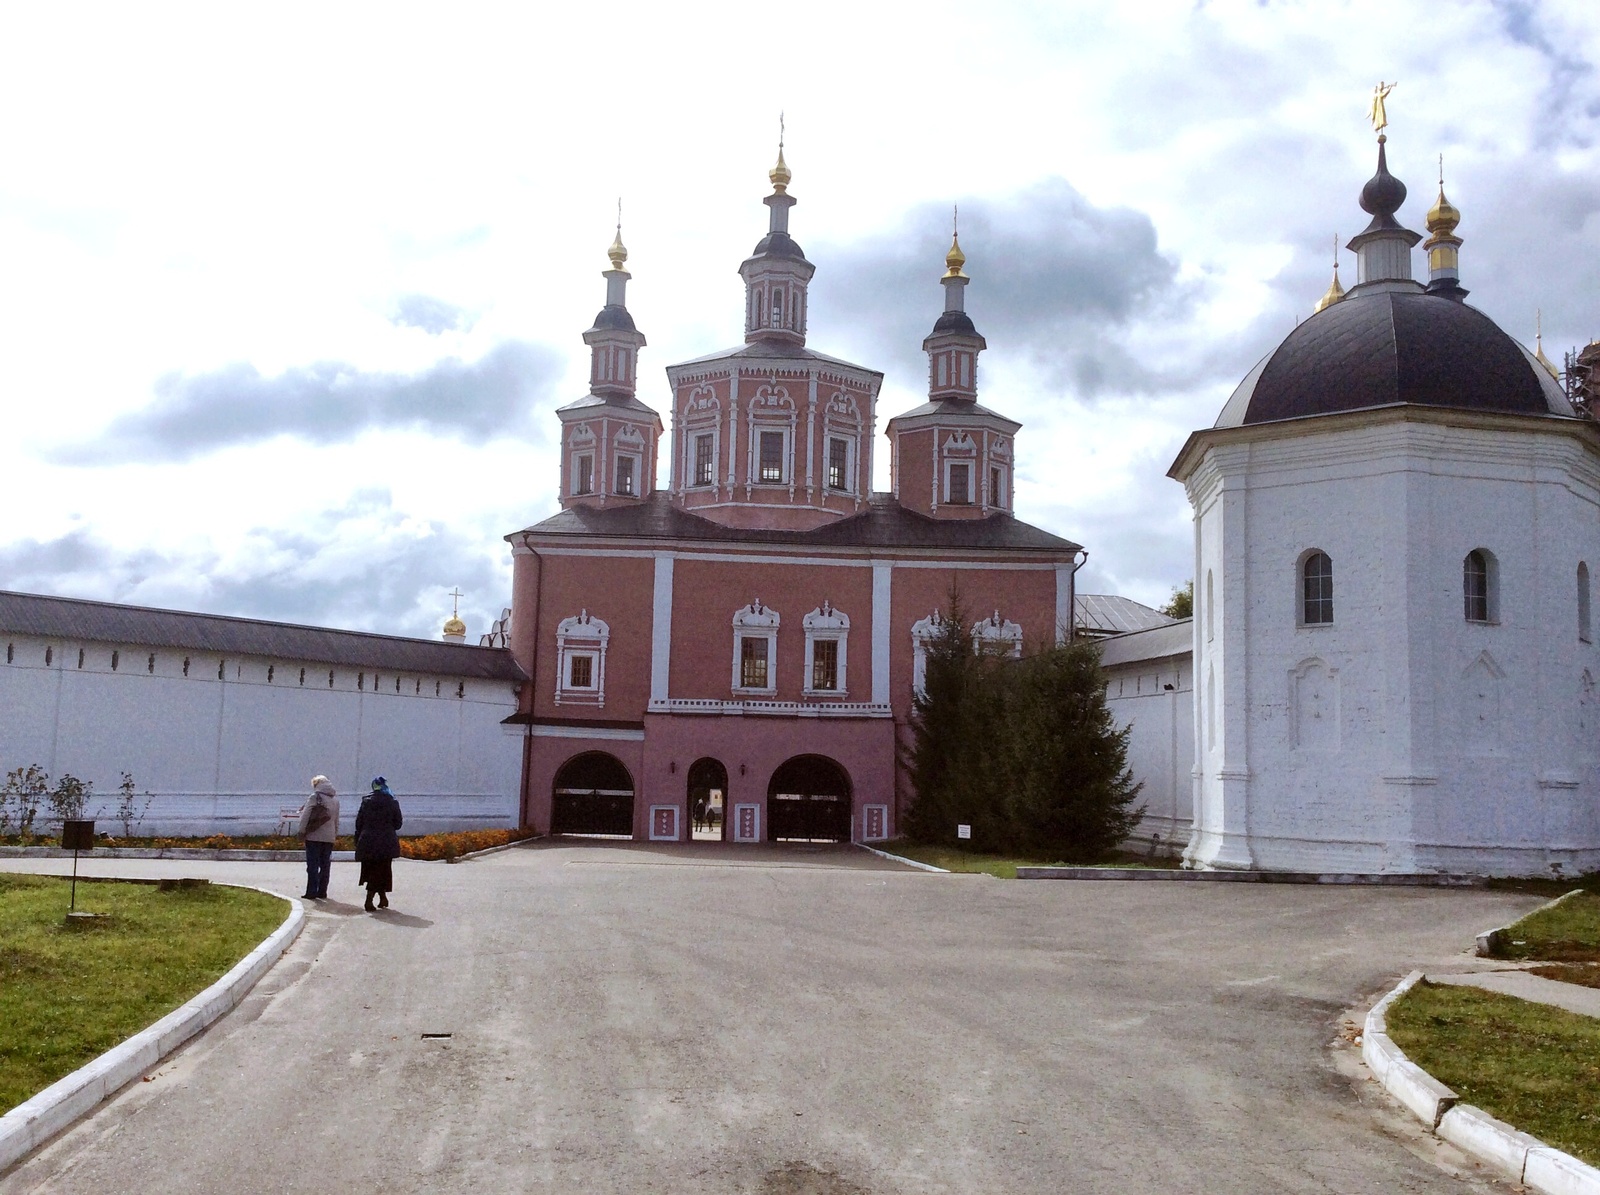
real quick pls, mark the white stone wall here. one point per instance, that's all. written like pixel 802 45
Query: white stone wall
pixel 1156 697
pixel 226 755
pixel 1401 737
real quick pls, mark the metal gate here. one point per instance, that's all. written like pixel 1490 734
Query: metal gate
pixel 808 800
pixel 593 795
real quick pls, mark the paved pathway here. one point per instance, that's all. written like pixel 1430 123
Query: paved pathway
pixel 712 1020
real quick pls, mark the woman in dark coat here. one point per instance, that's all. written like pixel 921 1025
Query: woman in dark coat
pixel 378 841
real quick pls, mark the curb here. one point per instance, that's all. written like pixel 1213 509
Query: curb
pixel 1523 1158
pixel 488 850
pixel 1490 941
pixel 901 859
pixel 1378 879
pixel 33 1122
pixel 221 854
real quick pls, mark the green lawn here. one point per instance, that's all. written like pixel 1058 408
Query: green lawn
pixel 1531 1065
pixel 68 995
pixel 1568 933
pixel 1002 866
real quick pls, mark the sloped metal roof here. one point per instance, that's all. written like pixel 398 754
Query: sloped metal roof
pixel 1108 614
pixel 1157 643
pixel 112 622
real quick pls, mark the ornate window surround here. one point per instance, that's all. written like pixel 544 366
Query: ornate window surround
pixel 581 636
pixel 771 410
pixel 826 625
pixel 755 622
pixel 999 635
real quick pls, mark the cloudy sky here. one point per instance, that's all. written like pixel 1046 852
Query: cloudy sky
pixel 289 293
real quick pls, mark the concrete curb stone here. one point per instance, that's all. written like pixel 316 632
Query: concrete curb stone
pixel 1524 1158
pixel 34 1121
pixel 908 862
pixel 1380 879
pixel 1490 940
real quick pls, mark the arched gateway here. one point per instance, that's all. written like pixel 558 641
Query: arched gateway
pixel 707 799
pixel 808 800
pixel 593 795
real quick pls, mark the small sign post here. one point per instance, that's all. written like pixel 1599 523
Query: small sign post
pixel 76 835
pixel 963 831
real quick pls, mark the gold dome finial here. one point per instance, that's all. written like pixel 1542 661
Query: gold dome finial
pixel 955 259
pixel 1442 216
pixel 618 252
pixel 779 174
pixel 1538 345
pixel 454 628
pixel 1335 292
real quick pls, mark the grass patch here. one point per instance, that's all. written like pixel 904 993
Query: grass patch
pixel 1547 888
pixel 68 995
pixel 1531 1065
pixel 1584 974
pixel 1005 866
pixel 1567 933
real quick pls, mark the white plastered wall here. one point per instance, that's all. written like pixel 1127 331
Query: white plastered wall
pixel 1156 698
pixel 226 756
pixel 1401 737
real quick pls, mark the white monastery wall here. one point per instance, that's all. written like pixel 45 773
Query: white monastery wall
pixel 227 755
pixel 1156 698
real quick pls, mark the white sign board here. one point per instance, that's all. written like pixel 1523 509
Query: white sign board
pixel 963 831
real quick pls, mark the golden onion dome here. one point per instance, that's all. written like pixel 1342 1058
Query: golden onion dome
pixel 1443 216
pixel 954 259
pixel 454 626
pixel 1334 293
pixel 779 174
pixel 618 253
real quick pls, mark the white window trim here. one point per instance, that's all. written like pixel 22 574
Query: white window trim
pixel 691 481
pixel 638 474
pixel 923 632
pixel 756 621
pixel 825 624
pixel 579 455
pixel 997 494
pixel 849 441
pixel 949 467
pixel 581 635
pixel 787 432
pixel 998 630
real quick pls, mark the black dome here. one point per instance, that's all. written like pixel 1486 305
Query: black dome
pixel 1376 350
pixel 954 321
pixel 613 316
pixel 1383 194
pixel 778 244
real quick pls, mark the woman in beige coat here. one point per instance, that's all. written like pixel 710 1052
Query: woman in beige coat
pixel 319 826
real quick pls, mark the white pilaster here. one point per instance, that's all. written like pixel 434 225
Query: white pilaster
pixel 1064 588
pixel 881 576
pixel 661 629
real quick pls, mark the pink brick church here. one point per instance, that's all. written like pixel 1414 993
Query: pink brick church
pixel 732 654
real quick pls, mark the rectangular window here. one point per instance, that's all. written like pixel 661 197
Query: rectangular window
pixel 585 479
pixel 752 663
pixel 825 665
pixel 960 485
pixel 702 459
pixel 625 480
pixel 838 463
pixel 582 672
pixel 997 495
pixel 771 456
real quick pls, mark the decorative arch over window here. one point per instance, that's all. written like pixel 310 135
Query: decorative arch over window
pixel 581 643
pixel 755 649
pixel 1316 588
pixel 827 644
pixel 772 430
pixel 1585 633
pixel 958 462
pixel 998 635
pixel 627 470
pixel 1480 586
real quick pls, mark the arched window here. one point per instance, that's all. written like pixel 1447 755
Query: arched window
pixel 1316 589
pixel 1478 587
pixel 1584 633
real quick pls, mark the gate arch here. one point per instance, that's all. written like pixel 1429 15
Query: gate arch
pixel 808 800
pixel 707 798
pixel 593 794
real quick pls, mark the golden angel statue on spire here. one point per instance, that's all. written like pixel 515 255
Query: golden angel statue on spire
pixel 1380 118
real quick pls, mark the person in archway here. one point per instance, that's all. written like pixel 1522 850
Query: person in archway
pixel 319 826
pixel 378 824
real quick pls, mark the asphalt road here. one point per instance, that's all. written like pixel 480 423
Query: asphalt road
pixel 627 1019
